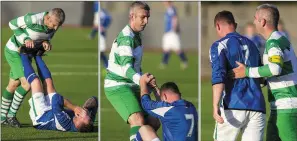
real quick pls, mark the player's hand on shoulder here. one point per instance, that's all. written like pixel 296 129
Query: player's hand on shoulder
pixel 29 43
pixel 46 45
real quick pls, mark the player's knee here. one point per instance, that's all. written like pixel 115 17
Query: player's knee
pixel 25 84
pixel 12 85
pixel 136 119
pixel 147 132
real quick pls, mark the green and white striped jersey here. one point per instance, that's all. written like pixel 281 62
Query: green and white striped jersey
pixel 124 64
pixel 280 68
pixel 30 26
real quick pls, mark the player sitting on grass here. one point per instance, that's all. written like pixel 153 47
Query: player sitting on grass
pixel 178 117
pixel 47 111
pixel 31 29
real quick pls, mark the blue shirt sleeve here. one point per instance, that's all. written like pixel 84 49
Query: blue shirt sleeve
pixel 154 108
pixel 218 64
pixel 63 121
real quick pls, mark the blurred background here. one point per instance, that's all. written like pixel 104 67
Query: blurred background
pixel 113 127
pixel 153 33
pixel 72 60
pixel 243 13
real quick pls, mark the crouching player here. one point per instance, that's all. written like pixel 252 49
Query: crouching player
pixel 47 111
pixel 178 117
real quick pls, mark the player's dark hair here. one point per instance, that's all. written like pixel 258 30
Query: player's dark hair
pixel 86 127
pixel 141 5
pixel 170 86
pixel 225 16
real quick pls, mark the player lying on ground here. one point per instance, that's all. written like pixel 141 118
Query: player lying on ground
pixel 47 111
pixel 31 30
pixel 280 69
pixel 121 84
pixel 178 117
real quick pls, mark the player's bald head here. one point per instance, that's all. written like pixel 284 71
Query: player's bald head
pixel 225 17
pixel 138 5
pixel 268 12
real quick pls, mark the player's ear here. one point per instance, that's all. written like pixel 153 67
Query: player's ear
pixel 218 26
pixel 263 22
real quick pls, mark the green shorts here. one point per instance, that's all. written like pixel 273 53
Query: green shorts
pixel 16 67
pixel 282 126
pixel 125 99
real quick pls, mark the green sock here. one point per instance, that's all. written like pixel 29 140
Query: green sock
pixel 5 104
pixel 18 97
pixel 133 132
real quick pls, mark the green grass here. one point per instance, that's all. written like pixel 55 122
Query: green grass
pixel 113 128
pixel 208 123
pixel 73 62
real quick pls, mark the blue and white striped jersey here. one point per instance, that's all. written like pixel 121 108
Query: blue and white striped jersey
pixel 179 119
pixel 105 20
pixel 240 94
pixel 57 118
pixel 170 13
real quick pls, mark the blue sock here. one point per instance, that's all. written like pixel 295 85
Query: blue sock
pixel 183 57
pixel 28 69
pixel 93 32
pixel 138 137
pixel 166 56
pixel 42 68
pixel 104 59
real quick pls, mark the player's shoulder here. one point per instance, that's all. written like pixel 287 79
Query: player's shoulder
pixel 35 18
pixel 126 34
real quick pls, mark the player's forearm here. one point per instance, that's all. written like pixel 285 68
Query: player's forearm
pixel 133 75
pixel 69 105
pixel 156 92
pixel 267 70
pixel 217 91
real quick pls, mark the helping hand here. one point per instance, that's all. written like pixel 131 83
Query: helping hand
pixel 239 72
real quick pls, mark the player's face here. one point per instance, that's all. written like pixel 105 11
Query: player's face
pixel 52 23
pixel 250 30
pixel 140 19
pixel 257 22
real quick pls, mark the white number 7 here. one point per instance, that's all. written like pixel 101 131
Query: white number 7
pixel 191 117
pixel 246 52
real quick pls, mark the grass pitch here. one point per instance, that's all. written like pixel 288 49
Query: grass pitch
pixel 73 62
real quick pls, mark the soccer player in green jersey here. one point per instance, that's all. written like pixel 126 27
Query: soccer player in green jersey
pixel 280 69
pixel 31 30
pixel 121 84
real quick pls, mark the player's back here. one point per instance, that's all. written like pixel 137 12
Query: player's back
pixel 180 122
pixel 242 94
pixel 169 15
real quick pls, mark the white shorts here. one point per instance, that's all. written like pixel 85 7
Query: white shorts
pixel 96 19
pixel 102 43
pixel 171 41
pixel 39 104
pixel 251 124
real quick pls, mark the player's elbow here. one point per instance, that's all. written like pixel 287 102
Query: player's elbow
pixel 275 69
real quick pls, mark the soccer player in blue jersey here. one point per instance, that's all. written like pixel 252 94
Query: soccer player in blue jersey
pixel 171 38
pixel 105 21
pixel 238 105
pixel 281 28
pixel 258 40
pixel 95 20
pixel 178 117
pixel 47 111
